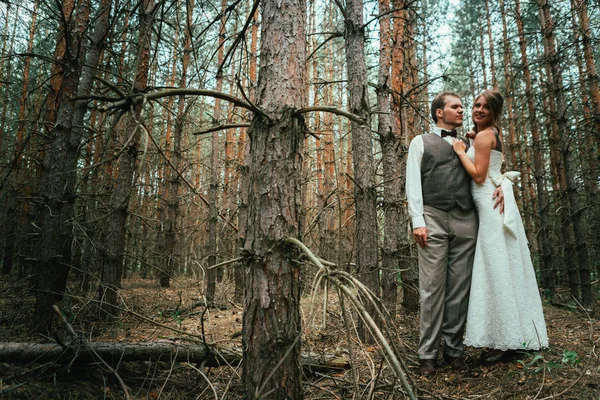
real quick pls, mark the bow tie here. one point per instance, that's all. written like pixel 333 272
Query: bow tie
pixel 449 133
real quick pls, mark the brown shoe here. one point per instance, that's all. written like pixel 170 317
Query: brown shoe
pixel 456 363
pixel 495 356
pixel 427 368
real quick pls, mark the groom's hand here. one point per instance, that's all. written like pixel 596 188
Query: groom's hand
pixel 421 236
pixel 499 197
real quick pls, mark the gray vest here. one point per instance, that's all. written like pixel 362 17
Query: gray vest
pixel 445 182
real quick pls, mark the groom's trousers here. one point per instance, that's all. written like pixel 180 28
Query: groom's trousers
pixel 445 267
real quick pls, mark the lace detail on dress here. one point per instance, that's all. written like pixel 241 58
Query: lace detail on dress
pixel 505 308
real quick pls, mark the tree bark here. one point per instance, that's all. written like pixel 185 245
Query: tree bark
pixel 588 78
pixel 573 214
pixel 215 168
pixel 397 151
pixel 13 209
pixel 488 21
pixel 271 328
pixel 60 173
pixel 482 51
pixel 244 160
pixel 167 175
pixel 362 154
pixel 114 234
pixel 89 73
pixel 543 238
pixel 392 188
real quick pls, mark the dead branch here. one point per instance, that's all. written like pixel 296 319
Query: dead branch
pixel 85 344
pixel 221 127
pixel 396 363
pixel 126 103
pixel 333 110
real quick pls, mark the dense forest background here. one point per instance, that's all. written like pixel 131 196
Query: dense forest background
pixel 190 139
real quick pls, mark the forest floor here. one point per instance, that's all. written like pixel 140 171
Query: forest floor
pixel 568 369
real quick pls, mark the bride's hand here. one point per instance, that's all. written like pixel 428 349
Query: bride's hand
pixel 459 147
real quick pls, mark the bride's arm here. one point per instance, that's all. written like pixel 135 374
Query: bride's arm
pixel 483 148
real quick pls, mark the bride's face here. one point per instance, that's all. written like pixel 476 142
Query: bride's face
pixel 481 113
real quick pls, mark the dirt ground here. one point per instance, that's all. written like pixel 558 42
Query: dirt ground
pixel 569 369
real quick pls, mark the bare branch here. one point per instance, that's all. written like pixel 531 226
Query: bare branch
pixel 221 127
pixel 333 110
pixel 138 98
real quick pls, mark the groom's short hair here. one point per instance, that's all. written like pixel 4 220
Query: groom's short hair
pixel 440 102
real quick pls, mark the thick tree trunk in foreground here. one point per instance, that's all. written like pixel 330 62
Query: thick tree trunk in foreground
pixel 271 331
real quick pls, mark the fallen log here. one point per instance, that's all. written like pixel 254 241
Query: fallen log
pixel 113 353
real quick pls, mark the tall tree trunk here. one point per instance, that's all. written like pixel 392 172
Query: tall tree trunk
pixel 60 172
pixel 271 328
pixel 573 213
pixel 173 215
pixel 392 188
pixel 543 238
pixel 115 223
pixel 362 153
pixel 588 78
pixel 510 143
pixel 6 74
pixel 244 159
pixel 488 21
pixel 593 81
pixel 482 51
pixel 89 73
pixel 165 178
pixel 14 210
pixel 400 81
pixel 215 169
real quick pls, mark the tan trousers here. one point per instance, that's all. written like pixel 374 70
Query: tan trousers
pixel 445 267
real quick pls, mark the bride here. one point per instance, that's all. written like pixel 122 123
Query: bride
pixel 505 309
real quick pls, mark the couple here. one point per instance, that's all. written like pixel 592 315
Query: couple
pixel 470 239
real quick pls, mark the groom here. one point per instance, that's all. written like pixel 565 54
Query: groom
pixel 445 224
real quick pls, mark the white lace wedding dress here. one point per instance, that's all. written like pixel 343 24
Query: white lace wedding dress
pixel 505 309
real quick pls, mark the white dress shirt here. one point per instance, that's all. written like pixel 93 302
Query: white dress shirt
pixel 414 191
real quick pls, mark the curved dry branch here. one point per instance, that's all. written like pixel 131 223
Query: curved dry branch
pixel 247 99
pixel 364 314
pixel 225 263
pixel 139 97
pixel 87 346
pixel 333 110
pixel 239 36
pixel 331 37
pixel 221 127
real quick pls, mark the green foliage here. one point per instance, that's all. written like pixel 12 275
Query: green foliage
pixel 571 358
pixel 538 363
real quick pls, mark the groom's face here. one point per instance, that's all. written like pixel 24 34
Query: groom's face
pixel 451 116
